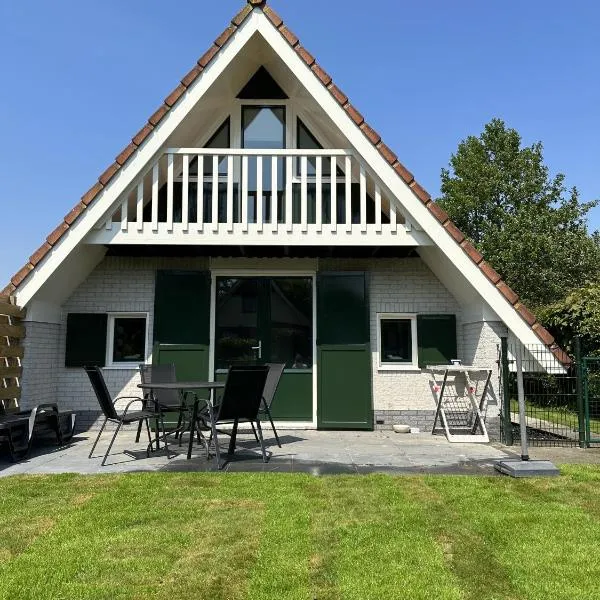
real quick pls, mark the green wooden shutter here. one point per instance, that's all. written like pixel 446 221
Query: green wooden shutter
pixel 436 337
pixel 86 340
pixel 182 307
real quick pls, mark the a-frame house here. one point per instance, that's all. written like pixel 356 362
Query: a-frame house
pixel 257 216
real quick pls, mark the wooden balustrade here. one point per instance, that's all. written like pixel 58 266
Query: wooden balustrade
pixel 262 195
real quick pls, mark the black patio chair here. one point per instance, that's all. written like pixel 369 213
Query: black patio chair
pixel 164 400
pixel 240 401
pixel 271 385
pixel 19 428
pixel 110 414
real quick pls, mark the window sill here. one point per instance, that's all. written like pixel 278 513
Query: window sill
pixel 125 366
pixel 399 367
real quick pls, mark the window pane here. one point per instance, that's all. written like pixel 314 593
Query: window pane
pixel 129 339
pixel 396 341
pixel 237 321
pixel 291 322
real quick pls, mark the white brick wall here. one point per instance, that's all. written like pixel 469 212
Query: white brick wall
pixel 118 284
pixel 127 285
pixel 40 364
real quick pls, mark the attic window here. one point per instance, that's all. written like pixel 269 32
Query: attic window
pixel 307 141
pixel 262 86
pixel 220 139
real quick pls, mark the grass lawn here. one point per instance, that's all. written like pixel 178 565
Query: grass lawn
pixel 565 417
pixel 259 536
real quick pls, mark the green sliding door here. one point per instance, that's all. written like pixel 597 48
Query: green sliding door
pixel 344 352
pixel 269 319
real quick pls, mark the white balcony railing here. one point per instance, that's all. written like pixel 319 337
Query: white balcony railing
pixel 255 197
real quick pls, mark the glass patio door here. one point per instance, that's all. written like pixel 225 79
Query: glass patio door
pixel 269 319
pixel 264 319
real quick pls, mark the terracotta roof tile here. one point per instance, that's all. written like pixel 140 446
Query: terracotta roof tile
pixel 352 112
pixel 125 155
pixel 543 334
pixel 527 315
pixel 72 215
pixel 108 174
pixel 290 36
pixel 387 153
pixel 91 194
pixel 491 274
pixel 20 275
pixel 175 95
pixel 373 136
pixel 57 233
pixel 561 355
pixel 321 74
pixel 158 114
pixel 273 16
pixel 39 254
pixel 473 253
pixel 140 137
pixel 454 231
pixel 208 56
pixel 337 93
pixel 438 212
pixel 225 36
pixel 191 75
pixel 305 55
pixel 507 292
pixel 420 191
pixel 406 175
pixel 9 289
pixel 242 15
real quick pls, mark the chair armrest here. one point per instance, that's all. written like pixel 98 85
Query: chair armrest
pixel 133 401
pixel 127 398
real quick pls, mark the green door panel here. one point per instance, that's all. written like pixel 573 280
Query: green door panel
pixel 345 387
pixel 344 353
pixel 294 398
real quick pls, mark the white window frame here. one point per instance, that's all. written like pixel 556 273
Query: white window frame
pixel 404 366
pixel 110 340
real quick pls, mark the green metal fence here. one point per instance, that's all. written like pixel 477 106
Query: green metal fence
pixel 591 399
pixel 554 406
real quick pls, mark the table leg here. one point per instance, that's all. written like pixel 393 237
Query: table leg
pixel 193 427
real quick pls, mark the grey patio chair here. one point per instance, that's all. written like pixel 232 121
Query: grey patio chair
pixel 271 385
pixel 165 400
pixel 127 417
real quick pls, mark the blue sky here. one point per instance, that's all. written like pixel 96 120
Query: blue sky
pixel 80 78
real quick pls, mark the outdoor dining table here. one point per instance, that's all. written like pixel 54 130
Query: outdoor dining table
pixel 191 387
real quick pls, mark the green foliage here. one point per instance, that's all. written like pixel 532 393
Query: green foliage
pixel 523 221
pixel 578 314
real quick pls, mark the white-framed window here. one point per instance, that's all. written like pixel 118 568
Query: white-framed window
pixel 397 341
pixel 127 339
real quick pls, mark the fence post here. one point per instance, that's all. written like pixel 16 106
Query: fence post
pixel 580 374
pixel 506 421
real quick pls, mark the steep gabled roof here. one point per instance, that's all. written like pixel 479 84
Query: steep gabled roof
pixel 326 80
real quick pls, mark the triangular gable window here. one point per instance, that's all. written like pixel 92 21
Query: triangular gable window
pixel 262 86
pixel 307 141
pixel 220 139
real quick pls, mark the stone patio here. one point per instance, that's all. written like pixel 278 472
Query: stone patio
pixel 315 452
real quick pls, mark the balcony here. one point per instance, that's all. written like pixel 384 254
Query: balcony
pixel 201 196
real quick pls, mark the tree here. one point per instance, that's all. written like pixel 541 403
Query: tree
pixel 576 315
pixel 525 223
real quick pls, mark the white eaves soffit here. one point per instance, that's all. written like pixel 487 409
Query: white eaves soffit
pixel 408 204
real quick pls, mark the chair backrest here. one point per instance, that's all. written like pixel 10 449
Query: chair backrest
pixel 161 374
pixel 273 379
pixel 243 393
pixel 101 391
